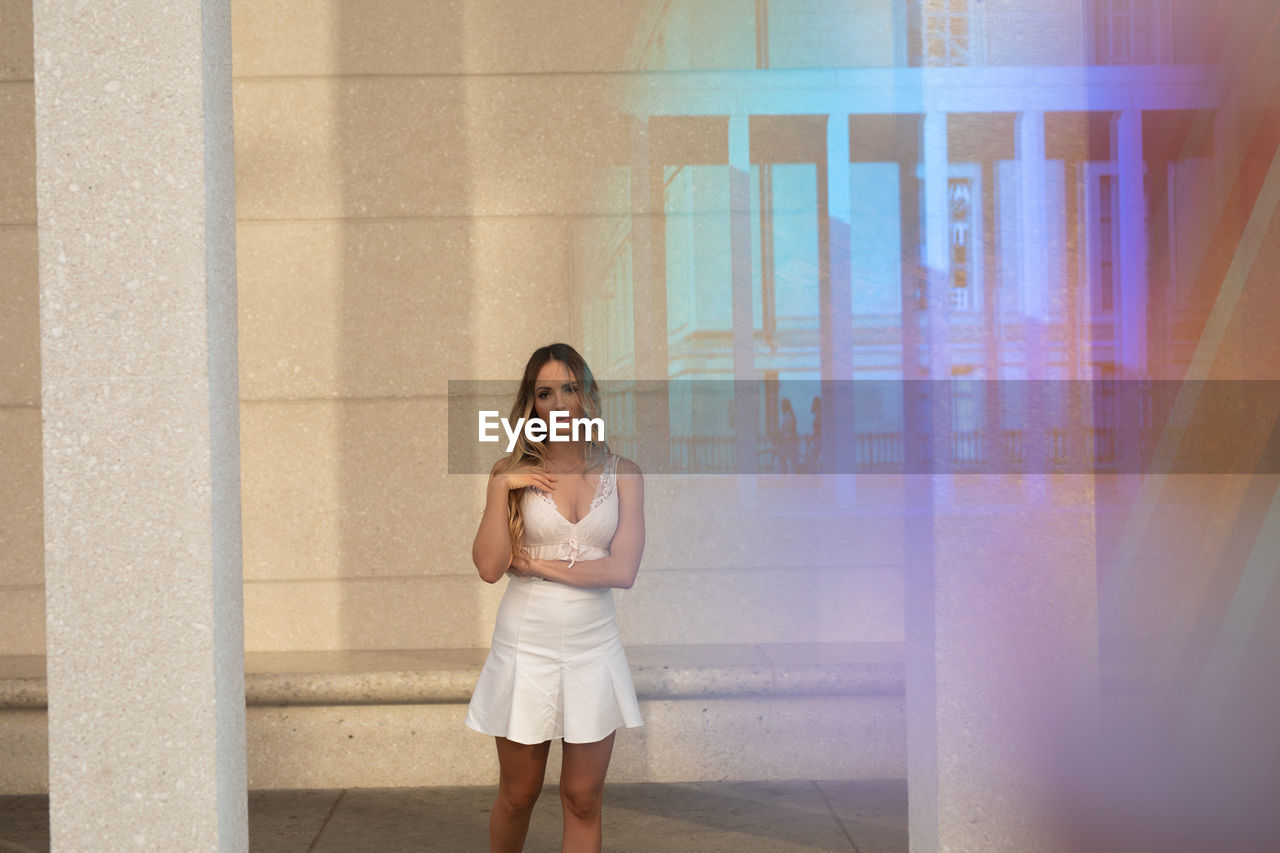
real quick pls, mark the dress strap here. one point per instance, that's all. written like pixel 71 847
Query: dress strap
pixel 608 481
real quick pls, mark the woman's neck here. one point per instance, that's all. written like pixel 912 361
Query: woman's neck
pixel 568 455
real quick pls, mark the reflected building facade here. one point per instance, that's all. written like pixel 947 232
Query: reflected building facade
pixel 912 189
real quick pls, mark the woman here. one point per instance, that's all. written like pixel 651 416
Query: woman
pixel 565 522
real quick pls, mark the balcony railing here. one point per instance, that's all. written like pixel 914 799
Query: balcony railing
pixel 972 450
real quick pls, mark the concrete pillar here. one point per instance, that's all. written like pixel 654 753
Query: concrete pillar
pixel 135 194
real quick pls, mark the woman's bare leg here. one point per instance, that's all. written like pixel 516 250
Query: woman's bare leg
pixel 582 775
pixel 521 768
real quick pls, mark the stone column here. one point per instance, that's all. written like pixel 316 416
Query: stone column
pixel 135 194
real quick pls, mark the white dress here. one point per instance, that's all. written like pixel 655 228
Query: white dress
pixel 556 667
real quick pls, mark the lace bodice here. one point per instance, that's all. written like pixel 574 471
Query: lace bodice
pixel 549 535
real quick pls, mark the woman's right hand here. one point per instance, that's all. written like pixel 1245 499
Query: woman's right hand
pixel 527 475
pixel 521 566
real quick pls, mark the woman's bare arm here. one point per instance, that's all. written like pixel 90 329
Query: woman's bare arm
pixel 620 567
pixel 491 550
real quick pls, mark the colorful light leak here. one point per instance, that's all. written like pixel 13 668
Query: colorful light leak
pixel 999 277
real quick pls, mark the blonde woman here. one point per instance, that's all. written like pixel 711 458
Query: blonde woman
pixel 564 521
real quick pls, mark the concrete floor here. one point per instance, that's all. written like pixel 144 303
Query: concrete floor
pixel 742 817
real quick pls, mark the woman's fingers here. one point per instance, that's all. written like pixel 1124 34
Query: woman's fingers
pixel 518 478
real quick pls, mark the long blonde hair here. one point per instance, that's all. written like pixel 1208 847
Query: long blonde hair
pixel 528 452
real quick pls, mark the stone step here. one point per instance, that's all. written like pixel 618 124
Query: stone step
pixel 449 675
pixel 394 718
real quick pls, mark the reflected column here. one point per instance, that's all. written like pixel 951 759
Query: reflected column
pixel 649 300
pixel 1131 310
pixel 746 399
pixel 835 300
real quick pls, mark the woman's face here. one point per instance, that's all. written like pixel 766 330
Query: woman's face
pixel 556 389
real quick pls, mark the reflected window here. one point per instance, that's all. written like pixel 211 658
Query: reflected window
pixel 960 228
pixel 699 270
pixel 785 264
pixel 1102 225
pixel 1130 32
pixel 947 27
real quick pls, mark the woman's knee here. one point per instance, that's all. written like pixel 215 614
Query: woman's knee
pixel 582 801
pixel 518 799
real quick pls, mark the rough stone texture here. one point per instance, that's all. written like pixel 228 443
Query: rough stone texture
pixel 141 446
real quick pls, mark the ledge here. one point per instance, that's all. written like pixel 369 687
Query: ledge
pixel 449 675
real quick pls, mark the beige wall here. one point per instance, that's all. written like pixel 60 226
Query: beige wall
pixel 21 531
pixel 409 178
pixel 422 193
pixel 421 189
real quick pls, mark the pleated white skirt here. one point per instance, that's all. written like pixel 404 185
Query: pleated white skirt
pixel 556 667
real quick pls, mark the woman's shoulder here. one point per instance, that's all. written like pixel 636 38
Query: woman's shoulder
pixel 625 466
